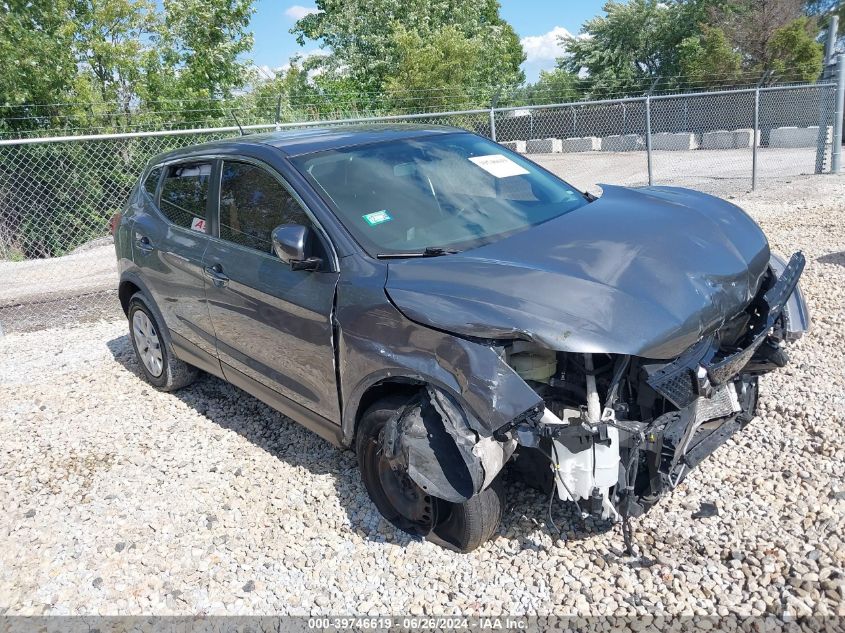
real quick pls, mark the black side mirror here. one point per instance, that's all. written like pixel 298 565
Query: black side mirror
pixel 289 242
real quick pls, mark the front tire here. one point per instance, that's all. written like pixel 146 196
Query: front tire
pixel 160 367
pixel 461 527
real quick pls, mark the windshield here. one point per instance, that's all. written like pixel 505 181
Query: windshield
pixel 451 192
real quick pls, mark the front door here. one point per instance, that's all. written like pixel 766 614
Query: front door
pixel 272 324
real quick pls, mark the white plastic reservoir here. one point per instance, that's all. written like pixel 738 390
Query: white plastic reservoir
pixel 596 467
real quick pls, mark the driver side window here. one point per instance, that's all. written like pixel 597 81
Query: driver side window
pixel 252 204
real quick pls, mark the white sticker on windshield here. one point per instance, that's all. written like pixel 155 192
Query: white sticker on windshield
pixel 499 166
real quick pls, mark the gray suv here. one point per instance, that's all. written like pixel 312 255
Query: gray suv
pixel 445 307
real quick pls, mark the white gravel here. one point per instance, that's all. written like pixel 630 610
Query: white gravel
pixel 118 499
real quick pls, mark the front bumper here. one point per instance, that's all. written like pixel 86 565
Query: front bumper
pixel 702 368
pixel 712 389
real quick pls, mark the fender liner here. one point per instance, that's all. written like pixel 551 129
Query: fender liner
pixel 436 442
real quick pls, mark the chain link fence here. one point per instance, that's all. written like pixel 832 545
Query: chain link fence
pixel 57 194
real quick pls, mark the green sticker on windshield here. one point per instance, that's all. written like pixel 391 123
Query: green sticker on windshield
pixel 377 217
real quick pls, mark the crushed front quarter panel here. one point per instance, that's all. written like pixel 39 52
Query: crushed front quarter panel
pixel 471 371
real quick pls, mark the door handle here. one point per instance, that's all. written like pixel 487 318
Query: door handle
pixel 215 274
pixel 144 245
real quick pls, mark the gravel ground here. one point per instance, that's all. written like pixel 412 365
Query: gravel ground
pixel 122 500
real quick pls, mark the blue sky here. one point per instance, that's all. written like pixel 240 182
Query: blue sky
pixel 536 21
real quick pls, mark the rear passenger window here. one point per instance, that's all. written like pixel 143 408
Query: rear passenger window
pixel 252 204
pixel 184 195
pixel 151 183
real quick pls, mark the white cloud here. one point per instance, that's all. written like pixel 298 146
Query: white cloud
pixel 267 72
pixel 297 11
pixel 545 47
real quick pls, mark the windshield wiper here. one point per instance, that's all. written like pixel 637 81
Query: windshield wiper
pixel 430 251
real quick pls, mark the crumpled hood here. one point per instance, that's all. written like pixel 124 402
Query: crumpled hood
pixel 644 272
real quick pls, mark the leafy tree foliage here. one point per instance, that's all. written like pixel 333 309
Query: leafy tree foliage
pixel 38 65
pixel 693 43
pixel 708 59
pixel 794 52
pixel 634 44
pixel 368 42
pixel 557 85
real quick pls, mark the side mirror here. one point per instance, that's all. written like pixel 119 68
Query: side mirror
pixel 289 242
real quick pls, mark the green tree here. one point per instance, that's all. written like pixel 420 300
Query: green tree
pixel 448 60
pixel 366 39
pixel 196 59
pixel 752 25
pixel 108 42
pixel 794 53
pixel 708 59
pixel 38 62
pixel 634 44
pixel 207 40
pixel 553 86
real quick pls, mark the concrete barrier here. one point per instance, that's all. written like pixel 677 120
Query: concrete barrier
pixel 729 139
pixel 515 146
pixel 720 139
pixel 746 138
pixel 582 144
pixel 622 143
pixel 796 136
pixel 673 141
pixel 544 146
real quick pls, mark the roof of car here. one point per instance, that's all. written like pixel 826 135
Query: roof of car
pixel 316 139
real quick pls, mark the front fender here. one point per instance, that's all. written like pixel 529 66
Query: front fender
pixel 472 373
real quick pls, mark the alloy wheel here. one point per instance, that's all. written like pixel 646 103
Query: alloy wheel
pixel 147 343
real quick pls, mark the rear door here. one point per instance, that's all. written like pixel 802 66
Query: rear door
pixel 273 325
pixel 169 239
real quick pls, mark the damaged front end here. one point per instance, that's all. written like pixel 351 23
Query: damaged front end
pixel 620 431
pixel 611 432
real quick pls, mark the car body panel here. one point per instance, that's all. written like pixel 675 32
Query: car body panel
pixel 643 272
pixel 172 269
pixel 274 325
pixel 471 372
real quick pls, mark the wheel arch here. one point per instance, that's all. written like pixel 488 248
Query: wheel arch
pixel 130 284
pixel 125 290
pixel 382 384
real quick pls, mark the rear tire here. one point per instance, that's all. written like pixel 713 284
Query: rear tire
pixel 160 367
pixel 461 527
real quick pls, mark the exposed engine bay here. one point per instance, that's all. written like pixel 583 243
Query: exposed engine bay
pixel 614 432
pixel 621 431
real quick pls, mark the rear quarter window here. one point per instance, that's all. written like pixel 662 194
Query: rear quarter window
pixel 184 195
pixel 151 182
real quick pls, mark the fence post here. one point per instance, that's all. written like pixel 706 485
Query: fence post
pixel 824 105
pixel 830 41
pixel 838 113
pixel 648 131
pixel 493 102
pixel 754 142
pixel 648 138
